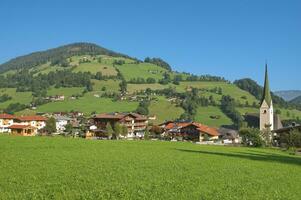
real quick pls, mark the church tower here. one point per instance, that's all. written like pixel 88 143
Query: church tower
pixel 266 106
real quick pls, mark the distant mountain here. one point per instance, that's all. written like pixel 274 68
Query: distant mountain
pixel 57 55
pixel 256 90
pixel 296 100
pixel 288 95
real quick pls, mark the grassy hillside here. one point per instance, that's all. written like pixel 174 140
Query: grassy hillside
pixel 164 110
pixel 60 168
pixel 145 70
pixel 88 104
pixel 206 116
pixel 17 97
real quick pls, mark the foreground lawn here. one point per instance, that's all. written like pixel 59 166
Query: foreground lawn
pixel 61 168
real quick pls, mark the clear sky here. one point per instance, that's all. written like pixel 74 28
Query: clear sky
pixel 226 38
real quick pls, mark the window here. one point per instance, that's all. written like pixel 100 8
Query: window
pixel 265 112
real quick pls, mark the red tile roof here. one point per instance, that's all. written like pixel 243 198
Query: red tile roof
pixel 200 127
pixel 32 118
pixel 18 126
pixel 7 116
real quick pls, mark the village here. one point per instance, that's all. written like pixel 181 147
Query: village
pixel 132 126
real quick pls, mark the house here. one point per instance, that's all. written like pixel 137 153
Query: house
pixel 23 130
pixel 229 136
pixel 6 120
pixel 135 123
pixel 278 133
pixel 61 122
pixel 189 131
pixel 35 121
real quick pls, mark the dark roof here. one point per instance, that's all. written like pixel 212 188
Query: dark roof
pixel 119 116
pixel 266 90
pixel 287 129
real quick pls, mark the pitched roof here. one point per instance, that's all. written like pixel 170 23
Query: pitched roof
pixel 32 118
pixel 7 116
pixel 266 90
pixel 200 127
pixel 119 116
pixel 208 130
pixel 18 126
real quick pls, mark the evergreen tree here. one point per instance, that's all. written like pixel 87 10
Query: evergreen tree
pixel 109 130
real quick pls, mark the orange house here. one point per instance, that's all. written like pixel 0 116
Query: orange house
pixel 23 130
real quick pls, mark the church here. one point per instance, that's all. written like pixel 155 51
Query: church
pixel 267 118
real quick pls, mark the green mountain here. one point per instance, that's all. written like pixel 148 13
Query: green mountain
pixel 94 79
pixel 57 56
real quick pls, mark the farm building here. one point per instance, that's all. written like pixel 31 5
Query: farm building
pixel 21 125
pixel 135 123
pixel 189 131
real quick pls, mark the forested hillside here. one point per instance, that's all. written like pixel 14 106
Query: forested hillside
pixel 57 56
pixel 93 79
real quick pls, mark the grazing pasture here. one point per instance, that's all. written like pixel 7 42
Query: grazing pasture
pixel 62 168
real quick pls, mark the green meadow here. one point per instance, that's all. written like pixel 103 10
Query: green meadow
pixel 164 110
pixel 17 97
pixel 65 168
pixel 205 115
pixel 87 104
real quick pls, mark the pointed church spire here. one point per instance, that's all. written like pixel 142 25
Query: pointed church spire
pixel 266 90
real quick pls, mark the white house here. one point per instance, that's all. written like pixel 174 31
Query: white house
pixel 61 122
pixel 6 120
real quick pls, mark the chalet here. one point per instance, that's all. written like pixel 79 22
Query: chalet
pixel 6 120
pixel 35 121
pixel 189 131
pixel 135 123
pixel 23 130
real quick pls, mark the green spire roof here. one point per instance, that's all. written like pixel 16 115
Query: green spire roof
pixel 266 90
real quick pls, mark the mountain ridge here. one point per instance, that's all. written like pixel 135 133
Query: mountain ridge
pixel 288 95
pixel 58 54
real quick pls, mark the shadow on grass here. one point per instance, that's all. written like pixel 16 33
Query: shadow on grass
pixel 252 155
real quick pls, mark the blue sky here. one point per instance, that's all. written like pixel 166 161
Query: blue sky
pixel 226 38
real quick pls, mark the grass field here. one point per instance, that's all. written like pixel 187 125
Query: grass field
pixel 62 168
pixel 145 70
pixel 110 85
pixel 138 87
pixel 204 113
pixel 88 104
pixel 17 97
pixel 68 92
pixel 164 110
pixel 227 89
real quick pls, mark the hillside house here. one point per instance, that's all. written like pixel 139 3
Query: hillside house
pixel 135 123
pixel 189 131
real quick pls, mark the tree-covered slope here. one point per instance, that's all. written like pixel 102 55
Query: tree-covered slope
pixel 57 55
pixel 296 100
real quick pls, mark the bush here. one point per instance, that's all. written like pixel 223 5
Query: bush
pixel 251 137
